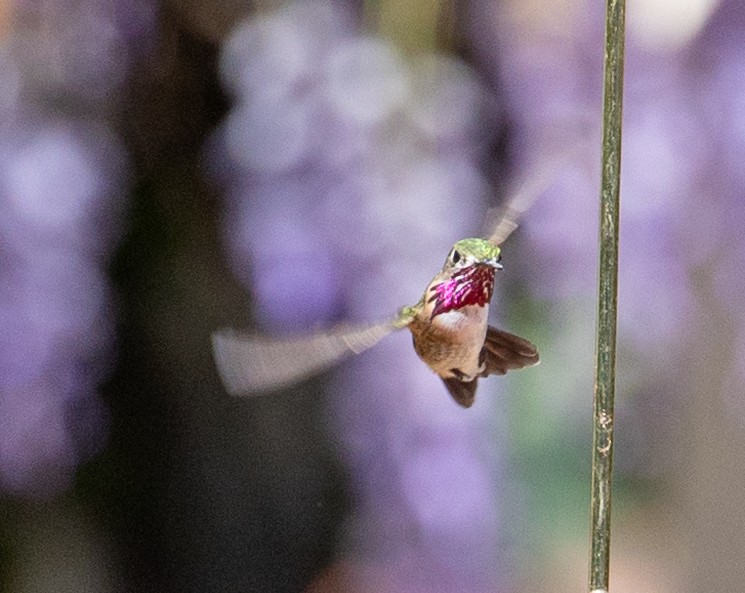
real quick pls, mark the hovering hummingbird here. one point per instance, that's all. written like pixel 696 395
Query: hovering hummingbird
pixel 449 324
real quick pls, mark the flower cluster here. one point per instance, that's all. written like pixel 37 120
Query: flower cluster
pixel 62 174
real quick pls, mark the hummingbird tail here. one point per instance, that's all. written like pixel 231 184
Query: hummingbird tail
pixel 504 352
pixel 249 364
pixel 463 392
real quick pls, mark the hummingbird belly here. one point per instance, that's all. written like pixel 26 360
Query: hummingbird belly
pixel 451 342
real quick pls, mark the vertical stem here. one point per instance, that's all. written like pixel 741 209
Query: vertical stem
pixel 605 373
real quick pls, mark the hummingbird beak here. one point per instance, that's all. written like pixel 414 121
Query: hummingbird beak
pixel 495 263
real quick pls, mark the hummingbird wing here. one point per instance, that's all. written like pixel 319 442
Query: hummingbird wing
pixel 505 219
pixel 504 352
pixel 250 363
pixel 527 190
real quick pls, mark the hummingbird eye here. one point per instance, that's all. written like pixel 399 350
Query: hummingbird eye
pixel 455 257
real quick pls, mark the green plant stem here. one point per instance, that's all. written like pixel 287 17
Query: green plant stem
pixel 605 369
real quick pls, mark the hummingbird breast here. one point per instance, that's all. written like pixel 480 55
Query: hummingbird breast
pixel 450 343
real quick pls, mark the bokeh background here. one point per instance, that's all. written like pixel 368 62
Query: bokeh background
pixel 170 167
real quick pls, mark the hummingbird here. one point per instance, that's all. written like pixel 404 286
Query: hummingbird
pixel 449 326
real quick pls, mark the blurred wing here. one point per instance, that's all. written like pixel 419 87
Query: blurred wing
pixel 251 363
pixel 537 180
pixel 505 223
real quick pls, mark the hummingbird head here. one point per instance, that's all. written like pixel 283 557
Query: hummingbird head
pixel 467 278
pixel 472 252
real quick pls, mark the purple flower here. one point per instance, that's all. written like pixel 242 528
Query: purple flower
pixel 62 180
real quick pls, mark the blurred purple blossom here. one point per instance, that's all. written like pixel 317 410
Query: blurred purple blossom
pixel 353 170
pixel 79 50
pixel 62 182
pixel 717 229
pixel 56 308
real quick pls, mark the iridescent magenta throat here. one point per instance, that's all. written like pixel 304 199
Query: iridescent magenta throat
pixel 470 286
